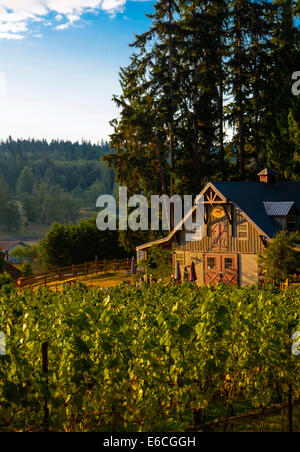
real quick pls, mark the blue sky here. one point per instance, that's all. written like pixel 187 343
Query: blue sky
pixel 59 65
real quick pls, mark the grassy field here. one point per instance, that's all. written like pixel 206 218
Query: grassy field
pixel 37 230
pixel 32 230
pixel 102 281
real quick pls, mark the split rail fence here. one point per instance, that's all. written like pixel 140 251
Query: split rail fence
pixel 74 271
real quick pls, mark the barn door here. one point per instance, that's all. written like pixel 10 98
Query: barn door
pixel 220 268
pixel 212 269
pixel 230 274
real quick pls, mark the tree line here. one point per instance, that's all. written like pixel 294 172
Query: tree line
pixel 47 182
pixel 72 244
pixel 207 95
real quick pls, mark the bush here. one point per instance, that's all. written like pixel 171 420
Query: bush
pixel 26 270
pixel 158 265
pixel 25 252
pixel 65 245
pixel 280 260
pixel 5 280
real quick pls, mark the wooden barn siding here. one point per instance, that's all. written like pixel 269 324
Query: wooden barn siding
pixel 253 245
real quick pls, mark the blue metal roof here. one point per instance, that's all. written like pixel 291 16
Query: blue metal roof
pixel 250 198
pixel 278 209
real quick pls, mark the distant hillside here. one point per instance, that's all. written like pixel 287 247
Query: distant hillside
pixel 43 182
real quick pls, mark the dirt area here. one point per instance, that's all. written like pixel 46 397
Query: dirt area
pixel 103 281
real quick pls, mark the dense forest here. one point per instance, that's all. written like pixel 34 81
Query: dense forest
pixel 207 96
pixel 45 182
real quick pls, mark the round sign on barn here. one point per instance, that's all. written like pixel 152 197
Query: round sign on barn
pixel 218 212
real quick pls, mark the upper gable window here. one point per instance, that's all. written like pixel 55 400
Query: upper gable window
pixel 291 223
pixel 242 231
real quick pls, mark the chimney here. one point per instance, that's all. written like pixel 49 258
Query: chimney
pixel 267 176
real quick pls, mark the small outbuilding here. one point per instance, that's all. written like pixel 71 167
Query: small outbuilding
pixel 6 246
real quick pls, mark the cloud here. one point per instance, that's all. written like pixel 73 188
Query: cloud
pixel 15 27
pixel 72 18
pixel 17 15
pixel 8 36
pixel 62 27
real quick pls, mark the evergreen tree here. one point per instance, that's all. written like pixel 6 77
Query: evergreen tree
pixel 145 136
pixel 25 182
pixel 169 130
pixel 280 146
pixel 280 260
pixel 203 50
pixel 260 65
pixel 204 66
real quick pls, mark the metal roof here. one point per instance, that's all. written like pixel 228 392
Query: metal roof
pixel 278 209
pixel 250 197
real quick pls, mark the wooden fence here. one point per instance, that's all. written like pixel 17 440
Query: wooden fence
pixel 294 282
pixel 74 271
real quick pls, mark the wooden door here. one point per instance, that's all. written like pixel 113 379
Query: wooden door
pixel 230 271
pixel 212 268
pixel 220 268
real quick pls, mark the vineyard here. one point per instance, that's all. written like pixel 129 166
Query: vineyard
pixel 156 358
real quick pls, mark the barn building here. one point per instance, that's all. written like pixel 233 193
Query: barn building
pixel 240 219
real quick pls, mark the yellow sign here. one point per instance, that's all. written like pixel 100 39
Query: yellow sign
pixel 218 212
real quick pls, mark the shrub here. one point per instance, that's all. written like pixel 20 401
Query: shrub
pixel 26 270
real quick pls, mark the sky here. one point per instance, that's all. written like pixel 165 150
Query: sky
pixel 60 62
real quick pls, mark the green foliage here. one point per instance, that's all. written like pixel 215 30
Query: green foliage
pixel 25 182
pixel 5 280
pixel 10 218
pixel 158 264
pixel 132 359
pixel 27 270
pixel 25 252
pixel 280 260
pixel 200 67
pixel 50 181
pixel 129 240
pixel 66 245
pixel 1 262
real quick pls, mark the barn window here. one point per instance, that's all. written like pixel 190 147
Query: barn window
pixel 211 263
pixel 291 223
pixel 228 263
pixel 141 255
pixel 242 231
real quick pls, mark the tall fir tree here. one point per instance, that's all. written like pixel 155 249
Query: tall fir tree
pixel 204 68
pixel 285 57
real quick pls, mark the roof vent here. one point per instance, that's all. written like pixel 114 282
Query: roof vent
pixel 267 176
